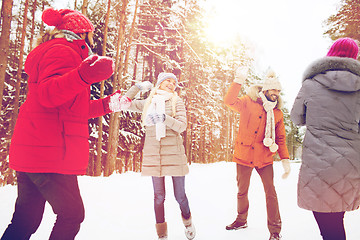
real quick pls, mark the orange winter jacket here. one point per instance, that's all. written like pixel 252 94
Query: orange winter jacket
pixel 249 148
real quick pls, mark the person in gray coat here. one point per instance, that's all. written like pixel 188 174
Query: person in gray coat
pixel 164 118
pixel 328 104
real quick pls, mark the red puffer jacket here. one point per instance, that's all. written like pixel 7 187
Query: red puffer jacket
pixel 51 132
pixel 249 148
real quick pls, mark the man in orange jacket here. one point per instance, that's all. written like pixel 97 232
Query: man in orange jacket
pixel 261 134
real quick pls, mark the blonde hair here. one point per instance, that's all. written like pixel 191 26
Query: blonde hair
pixel 149 99
pixel 49 34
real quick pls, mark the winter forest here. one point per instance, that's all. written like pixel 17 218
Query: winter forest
pixel 145 37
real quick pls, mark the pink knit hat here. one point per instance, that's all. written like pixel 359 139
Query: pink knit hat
pixel 344 47
pixel 67 19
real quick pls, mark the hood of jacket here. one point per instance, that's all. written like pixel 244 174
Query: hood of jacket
pixel 337 73
pixel 32 60
pixel 253 93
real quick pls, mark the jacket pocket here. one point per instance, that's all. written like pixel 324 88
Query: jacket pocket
pixel 76 144
pixel 242 139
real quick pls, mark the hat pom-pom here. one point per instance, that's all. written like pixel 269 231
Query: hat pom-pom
pixel 267 142
pixel 273 148
pixel 271 74
pixel 51 17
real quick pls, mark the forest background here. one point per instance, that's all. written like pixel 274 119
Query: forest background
pixel 146 37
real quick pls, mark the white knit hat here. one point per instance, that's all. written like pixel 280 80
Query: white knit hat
pixel 271 81
pixel 163 76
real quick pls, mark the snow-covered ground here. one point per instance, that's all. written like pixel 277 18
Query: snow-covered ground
pixel 121 207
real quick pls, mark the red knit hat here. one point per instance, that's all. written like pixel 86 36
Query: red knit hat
pixel 67 19
pixel 344 47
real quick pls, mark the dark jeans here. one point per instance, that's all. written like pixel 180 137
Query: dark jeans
pixel 331 225
pixel 180 196
pixel 272 206
pixel 34 189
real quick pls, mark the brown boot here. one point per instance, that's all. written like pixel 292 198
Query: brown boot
pixel 161 229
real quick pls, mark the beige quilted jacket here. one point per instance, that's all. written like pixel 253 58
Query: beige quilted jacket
pixel 167 156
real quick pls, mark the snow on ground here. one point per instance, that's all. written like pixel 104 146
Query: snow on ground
pixel 121 207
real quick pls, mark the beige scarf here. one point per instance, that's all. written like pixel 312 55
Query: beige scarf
pixel 269 140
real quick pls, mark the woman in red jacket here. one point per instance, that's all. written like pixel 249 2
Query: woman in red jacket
pixel 49 147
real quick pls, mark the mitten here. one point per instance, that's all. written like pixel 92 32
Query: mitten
pixel 96 68
pixel 286 166
pixel 154 118
pixel 144 86
pixel 118 102
pixel 241 74
pixel 115 102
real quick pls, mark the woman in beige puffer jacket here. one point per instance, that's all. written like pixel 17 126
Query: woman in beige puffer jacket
pixel 164 118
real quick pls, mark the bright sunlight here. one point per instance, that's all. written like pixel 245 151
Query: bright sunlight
pixel 228 19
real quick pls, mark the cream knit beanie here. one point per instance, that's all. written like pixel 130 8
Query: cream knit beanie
pixel 271 81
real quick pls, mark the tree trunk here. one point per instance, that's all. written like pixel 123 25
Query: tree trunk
pixel 136 61
pixel 84 7
pixel 20 67
pixel 114 118
pixel 188 139
pixel 6 15
pixel 130 38
pixel 102 88
pixel 42 23
pixel 32 24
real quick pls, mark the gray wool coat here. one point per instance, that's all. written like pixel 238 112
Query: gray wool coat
pixel 328 104
pixel 167 156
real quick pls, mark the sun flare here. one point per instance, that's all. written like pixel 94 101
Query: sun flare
pixel 220 29
pixel 228 19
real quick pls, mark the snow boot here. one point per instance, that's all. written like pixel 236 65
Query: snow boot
pixel 189 228
pixel 161 230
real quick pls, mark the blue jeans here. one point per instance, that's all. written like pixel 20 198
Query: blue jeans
pixel 34 189
pixel 180 196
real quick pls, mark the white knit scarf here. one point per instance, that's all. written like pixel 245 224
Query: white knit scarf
pixel 157 105
pixel 269 140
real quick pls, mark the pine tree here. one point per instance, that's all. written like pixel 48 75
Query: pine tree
pixel 208 72
pixel 294 136
pixel 6 15
pixel 346 22
pixel 20 65
pixel 112 149
pixel 99 144
pixel 15 84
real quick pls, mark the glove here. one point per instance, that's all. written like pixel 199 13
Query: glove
pixel 96 68
pixel 286 166
pixel 115 102
pixel 154 118
pixel 241 74
pixel 144 86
